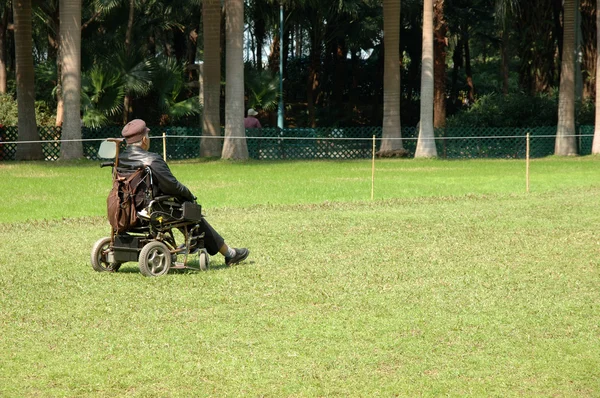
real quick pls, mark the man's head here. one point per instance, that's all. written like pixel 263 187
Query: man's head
pixel 136 132
pixel 252 112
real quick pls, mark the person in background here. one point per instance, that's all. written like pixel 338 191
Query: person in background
pixel 136 155
pixel 251 122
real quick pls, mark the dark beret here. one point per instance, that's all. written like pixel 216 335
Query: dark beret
pixel 134 131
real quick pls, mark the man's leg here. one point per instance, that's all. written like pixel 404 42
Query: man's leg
pixel 214 243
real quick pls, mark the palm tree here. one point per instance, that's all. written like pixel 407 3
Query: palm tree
pixel 234 145
pixel 210 146
pixel 102 95
pixel 505 10
pixel 596 142
pixel 25 82
pixel 426 142
pixel 70 42
pixel 168 84
pixel 391 134
pixel 566 144
pixel 439 69
pixel 127 101
pixel 4 11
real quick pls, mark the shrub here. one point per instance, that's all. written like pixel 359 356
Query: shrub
pixel 512 110
pixel 44 116
pixel 8 110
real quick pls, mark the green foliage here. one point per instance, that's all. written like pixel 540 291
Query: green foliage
pixel 168 86
pixel 44 115
pixel 262 89
pixel 9 115
pixel 586 112
pixel 512 110
pixel 102 95
pixel 8 110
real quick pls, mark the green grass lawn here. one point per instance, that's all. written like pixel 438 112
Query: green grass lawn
pixel 453 281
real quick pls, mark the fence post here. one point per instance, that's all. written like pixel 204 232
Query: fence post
pixel 527 164
pixel 164 146
pixel 373 170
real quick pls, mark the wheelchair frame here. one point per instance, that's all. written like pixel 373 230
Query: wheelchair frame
pixel 151 242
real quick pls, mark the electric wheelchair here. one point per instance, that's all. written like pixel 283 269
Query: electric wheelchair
pixel 151 240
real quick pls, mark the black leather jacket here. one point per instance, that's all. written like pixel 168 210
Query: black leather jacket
pixel 163 181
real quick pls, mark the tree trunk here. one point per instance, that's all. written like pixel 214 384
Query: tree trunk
pixel 70 51
pixel 210 145
pixel 234 145
pixel 59 88
pixel 565 144
pixel 260 31
pixel 468 71
pixel 3 29
pixel 312 83
pixel 127 100
pixel 391 130
pixel 439 69
pixel 426 142
pixel 25 82
pixel 504 60
pixel 588 31
pixel 596 141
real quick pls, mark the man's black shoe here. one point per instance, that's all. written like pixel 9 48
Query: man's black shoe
pixel 240 255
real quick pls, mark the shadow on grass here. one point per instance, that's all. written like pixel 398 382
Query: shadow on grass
pixel 133 268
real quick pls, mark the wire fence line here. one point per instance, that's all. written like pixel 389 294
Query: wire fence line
pixel 317 143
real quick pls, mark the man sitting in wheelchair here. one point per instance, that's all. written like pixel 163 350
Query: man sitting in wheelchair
pixel 136 156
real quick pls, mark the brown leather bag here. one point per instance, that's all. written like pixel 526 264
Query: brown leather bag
pixel 121 202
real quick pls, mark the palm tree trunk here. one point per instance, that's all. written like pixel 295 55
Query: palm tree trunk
pixel 565 144
pixel 59 88
pixel 3 28
pixel 234 145
pixel 127 100
pixel 210 145
pixel 426 142
pixel 25 82
pixel 596 142
pixel 391 131
pixel 468 71
pixel 439 69
pixel 70 52
pixel 504 60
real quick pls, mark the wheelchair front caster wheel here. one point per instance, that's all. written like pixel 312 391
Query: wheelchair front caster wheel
pixel 155 259
pixel 99 258
pixel 203 260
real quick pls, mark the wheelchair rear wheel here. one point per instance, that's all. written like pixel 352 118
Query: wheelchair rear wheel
pixel 99 258
pixel 155 259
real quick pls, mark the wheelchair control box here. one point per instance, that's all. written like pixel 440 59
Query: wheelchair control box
pixel 192 211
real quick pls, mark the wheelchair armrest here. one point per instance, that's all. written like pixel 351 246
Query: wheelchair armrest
pixel 163 198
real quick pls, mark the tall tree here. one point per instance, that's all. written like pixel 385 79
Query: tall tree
pixel 234 145
pixel 210 145
pixel 505 10
pixel 565 143
pixel 439 68
pixel 127 108
pixel 596 141
pixel 70 43
pixel 4 10
pixel 426 142
pixel 25 83
pixel 391 131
